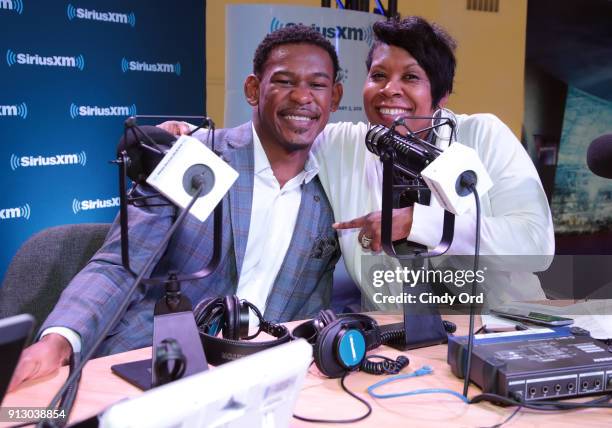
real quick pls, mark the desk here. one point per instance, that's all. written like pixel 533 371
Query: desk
pixel 322 397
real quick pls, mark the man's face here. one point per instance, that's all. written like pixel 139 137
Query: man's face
pixel 294 95
pixel 396 86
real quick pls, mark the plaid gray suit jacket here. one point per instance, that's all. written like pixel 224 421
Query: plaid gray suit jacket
pixel 302 287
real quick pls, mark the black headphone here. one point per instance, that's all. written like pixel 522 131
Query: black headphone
pixel 230 315
pixel 340 342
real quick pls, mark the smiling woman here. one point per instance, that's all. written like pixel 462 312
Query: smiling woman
pixel 397 86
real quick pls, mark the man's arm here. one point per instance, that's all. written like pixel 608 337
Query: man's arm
pixel 87 304
pixel 42 358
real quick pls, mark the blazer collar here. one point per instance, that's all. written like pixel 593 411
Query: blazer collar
pixel 240 156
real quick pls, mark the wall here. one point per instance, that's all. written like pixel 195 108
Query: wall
pixel 491 53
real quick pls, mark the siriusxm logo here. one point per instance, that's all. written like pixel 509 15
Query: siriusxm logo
pixel 17 110
pixel 17 212
pixel 94 15
pixel 159 67
pixel 14 5
pixel 362 34
pixel 93 204
pixel 93 111
pixel 56 160
pixel 13 58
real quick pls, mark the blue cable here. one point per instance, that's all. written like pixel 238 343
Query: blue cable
pixel 425 370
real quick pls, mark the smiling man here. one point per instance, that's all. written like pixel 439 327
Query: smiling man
pixel 282 265
pixel 290 92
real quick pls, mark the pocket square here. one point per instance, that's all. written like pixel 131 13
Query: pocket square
pixel 323 247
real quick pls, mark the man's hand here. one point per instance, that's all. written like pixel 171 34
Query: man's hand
pixel 42 358
pixel 370 227
pixel 174 127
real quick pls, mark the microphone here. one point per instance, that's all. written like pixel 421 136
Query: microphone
pixel 412 154
pixel 140 152
pixel 450 174
pixel 599 156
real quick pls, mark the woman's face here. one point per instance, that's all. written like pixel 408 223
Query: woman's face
pixel 396 85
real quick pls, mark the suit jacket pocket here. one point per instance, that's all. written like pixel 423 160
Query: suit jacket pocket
pixel 324 247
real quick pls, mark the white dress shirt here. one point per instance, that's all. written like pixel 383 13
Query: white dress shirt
pixel 273 216
pixel 69 334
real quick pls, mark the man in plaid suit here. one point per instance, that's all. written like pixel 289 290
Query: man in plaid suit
pixel 286 264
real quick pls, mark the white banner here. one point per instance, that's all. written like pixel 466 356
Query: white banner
pixel 349 31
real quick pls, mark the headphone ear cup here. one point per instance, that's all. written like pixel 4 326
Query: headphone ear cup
pixel 243 321
pixel 340 347
pixel 231 317
pixel 323 351
pixel 200 311
pixel 207 315
pixel 169 354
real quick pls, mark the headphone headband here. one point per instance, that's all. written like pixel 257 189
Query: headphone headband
pixel 310 329
pixel 219 350
pixel 210 313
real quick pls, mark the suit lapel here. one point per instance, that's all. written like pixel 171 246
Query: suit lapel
pixel 304 234
pixel 241 193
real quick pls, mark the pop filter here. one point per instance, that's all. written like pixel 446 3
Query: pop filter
pixel 145 147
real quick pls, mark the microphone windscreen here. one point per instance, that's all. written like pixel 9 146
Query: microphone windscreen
pixel 144 156
pixel 599 156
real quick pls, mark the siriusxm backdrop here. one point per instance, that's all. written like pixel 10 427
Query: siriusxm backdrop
pixel 70 72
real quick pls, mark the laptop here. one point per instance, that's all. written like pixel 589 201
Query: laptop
pixel 15 333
